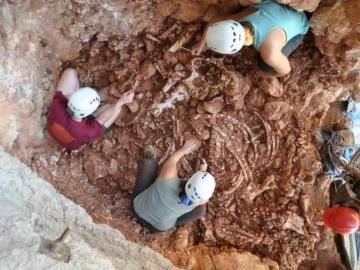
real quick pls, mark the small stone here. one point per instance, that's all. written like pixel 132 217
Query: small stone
pixel 133 106
pixel 271 86
pixel 275 110
pixel 107 147
pixel 200 109
pixel 113 167
pixel 147 69
pixel 95 166
pixel 205 135
pixel 214 106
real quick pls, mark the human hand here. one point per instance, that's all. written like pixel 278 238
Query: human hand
pixel 127 97
pixel 197 48
pixel 190 146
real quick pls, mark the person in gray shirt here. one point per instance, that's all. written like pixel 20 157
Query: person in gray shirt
pixel 163 201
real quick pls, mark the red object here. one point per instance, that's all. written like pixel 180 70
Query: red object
pixel 67 132
pixel 342 220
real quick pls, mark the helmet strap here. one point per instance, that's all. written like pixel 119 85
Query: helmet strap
pixel 70 111
pixel 184 199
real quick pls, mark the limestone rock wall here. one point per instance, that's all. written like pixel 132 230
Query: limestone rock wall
pixel 336 27
pixel 308 5
pixel 36 37
pixel 31 210
pixel 189 10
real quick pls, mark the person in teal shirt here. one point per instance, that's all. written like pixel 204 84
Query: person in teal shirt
pixel 274 30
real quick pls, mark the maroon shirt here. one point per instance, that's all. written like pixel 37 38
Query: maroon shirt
pixel 65 130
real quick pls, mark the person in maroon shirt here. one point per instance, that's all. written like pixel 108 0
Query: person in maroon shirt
pixel 75 117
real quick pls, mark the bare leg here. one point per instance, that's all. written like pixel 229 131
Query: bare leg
pixel 68 82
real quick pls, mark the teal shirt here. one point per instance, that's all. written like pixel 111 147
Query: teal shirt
pixel 271 15
pixel 159 204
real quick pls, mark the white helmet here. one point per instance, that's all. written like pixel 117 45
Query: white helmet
pixel 200 186
pixel 226 37
pixel 83 102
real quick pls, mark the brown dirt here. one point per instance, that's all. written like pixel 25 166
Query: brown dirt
pixel 269 196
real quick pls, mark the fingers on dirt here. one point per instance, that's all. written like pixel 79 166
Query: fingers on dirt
pixel 195 144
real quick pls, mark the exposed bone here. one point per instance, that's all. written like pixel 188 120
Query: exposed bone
pixel 290 155
pixel 175 77
pixel 295 223
pixel 269 138
pixel 179 94
pixel 160 68
pixel 253 192
pixel 150 36
pixel 160 139
pixel 249 132
pixel 184 38
pixel 236 184
pixel 166 154
pixel 169 31
pixel 246 234
pixel 304 202
pixel 169 83
pixel 194 74
pixel 241 161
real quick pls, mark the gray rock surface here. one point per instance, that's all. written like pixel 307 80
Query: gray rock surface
pixel 31 210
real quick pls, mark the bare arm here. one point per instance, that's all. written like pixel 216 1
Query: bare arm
pixel 68 82
pixel 109 116
pixel 169 169
pixel 272 55
pixel 198 47
pixel 277 61
pixel 113 115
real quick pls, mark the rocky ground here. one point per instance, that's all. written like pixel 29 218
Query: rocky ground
pixel 257 134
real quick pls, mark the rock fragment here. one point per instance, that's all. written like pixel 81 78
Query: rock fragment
pixel 147 69
pixel 113 167
pixel 214 106
pixel 271 86
pixel 275 110
pixel 295 223
pixel 133 106
pixel 95 166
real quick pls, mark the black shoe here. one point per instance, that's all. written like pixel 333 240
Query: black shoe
pixel 150 152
